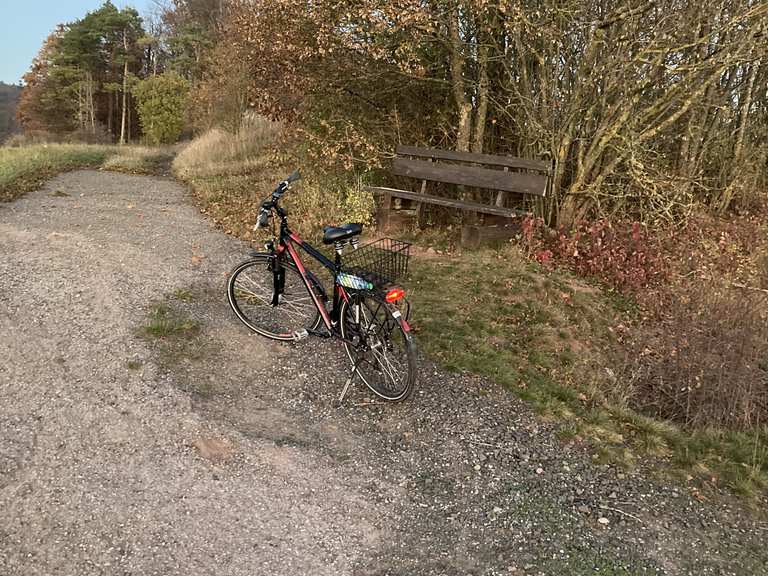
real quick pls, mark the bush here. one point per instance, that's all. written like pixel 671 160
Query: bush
pixel 232 173
pixel 707 364
pixel 161 101
pixel 621 254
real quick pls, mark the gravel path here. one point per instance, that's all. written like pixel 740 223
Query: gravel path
pixel 221 453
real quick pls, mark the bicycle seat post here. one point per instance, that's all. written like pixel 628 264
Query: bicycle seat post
pixel 339 248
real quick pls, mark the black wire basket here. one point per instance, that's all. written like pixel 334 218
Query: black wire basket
pixel 381 262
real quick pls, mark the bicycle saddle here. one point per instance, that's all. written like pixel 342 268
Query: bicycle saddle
pixel 333 234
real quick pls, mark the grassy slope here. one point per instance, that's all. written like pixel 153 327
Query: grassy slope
pixel 26 168
pixel 548 336
pixel 556 341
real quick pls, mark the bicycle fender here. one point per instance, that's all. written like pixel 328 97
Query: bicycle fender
pixel 403 323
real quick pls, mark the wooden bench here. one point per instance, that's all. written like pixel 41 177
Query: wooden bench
pixel 503 174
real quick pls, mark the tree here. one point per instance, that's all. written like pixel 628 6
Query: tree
pixel 9 96
pixel 45 103
pixel 161 102
pixel 643 107
pixel 82 71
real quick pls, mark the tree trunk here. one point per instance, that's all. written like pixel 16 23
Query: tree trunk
pixel 91 109
pixel 110 116
pixel 125 88
pixel 482 101
pixel 463 104
pixel 746 103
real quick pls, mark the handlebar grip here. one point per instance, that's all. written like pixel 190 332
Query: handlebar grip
pixel 263 219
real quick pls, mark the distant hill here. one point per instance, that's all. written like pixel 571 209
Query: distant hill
pixel 9 96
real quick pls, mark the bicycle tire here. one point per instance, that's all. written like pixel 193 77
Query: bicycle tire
pixel 294 313
pixel 382 330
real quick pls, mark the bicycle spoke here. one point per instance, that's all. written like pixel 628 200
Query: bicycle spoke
pixel 389 370
pixel 253 290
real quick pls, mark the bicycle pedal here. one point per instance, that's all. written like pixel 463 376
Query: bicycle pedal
pixel 300 335
pixel 319 333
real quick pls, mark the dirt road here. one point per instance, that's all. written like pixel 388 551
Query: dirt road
pixel 218 452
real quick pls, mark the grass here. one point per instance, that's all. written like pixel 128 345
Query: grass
pixel 139 160
pixel 496 314
pixel 133 364
pixel 26 168
pixel 218 152
pixel 166 322
pixel 178 340
pixel 552 340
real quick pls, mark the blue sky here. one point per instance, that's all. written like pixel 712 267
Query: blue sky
pixel 25 24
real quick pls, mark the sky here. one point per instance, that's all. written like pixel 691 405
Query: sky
pixel 25 24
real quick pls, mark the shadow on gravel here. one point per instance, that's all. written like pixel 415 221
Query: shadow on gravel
pixel 473 481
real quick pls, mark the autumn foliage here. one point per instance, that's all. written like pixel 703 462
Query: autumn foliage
pixel 646 109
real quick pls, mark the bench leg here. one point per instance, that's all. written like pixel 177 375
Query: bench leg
pixel 473 236
pixel 421 216
pixel 384 212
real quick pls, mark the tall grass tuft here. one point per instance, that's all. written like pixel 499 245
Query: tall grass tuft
pixel 218 152
pixel 708 366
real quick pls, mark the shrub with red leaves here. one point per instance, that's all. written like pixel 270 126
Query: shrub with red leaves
pixel 621 254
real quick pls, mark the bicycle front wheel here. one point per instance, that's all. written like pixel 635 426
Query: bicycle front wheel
pixel 377 343
pixel 251 289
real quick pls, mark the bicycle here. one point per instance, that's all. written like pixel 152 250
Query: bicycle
pixel 275 295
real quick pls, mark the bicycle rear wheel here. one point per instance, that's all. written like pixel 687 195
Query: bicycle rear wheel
pixel 378 344
pixel 250 291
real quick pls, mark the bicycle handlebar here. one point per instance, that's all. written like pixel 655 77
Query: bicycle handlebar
pixel 282 188
pixel 268 205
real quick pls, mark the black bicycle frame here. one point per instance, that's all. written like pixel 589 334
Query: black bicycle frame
pixel 286 243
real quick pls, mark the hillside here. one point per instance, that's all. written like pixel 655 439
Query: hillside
pixel 9 97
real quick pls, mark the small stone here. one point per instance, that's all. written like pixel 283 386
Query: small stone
pixel 214 448
pixel 603 520
pixel 539 470
pixel 477 467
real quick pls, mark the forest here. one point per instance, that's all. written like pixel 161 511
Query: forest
pixel 653 114
pixel 9 96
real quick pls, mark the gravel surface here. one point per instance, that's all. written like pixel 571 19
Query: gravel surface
pixel 220 452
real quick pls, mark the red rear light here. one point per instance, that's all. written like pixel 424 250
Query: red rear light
pixel 395 294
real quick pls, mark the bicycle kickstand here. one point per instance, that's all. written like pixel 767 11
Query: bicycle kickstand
pixel 348 383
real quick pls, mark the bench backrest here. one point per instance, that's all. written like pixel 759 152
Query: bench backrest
pixel 467 169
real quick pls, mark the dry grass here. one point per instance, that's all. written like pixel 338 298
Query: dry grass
pixel 707 365
pixel 218 152
pixel 26 168
pixel 231 173
pixel 139 160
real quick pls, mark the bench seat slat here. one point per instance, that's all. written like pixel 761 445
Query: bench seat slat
pixel 487 159
pixel 471 176
pixel 440 201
